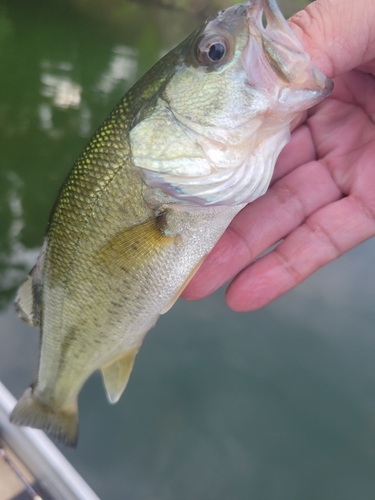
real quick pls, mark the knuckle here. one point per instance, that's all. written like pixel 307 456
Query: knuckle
pixel 320 232
pixel 289 266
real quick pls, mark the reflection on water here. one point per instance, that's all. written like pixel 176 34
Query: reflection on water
pixel 17 260
pixel 122 69
pixel 64 92
pixel 277 404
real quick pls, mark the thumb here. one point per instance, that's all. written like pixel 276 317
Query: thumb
pixel 339 35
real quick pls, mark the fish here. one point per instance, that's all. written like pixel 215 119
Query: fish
pixel 187 147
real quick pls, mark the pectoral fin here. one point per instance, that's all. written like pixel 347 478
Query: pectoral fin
pixel 130 249
pixel 117 373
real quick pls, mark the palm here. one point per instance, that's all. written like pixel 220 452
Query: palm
pixel 321 203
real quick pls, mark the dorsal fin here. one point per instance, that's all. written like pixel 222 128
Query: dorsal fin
pixel 28 298
pixel 25 302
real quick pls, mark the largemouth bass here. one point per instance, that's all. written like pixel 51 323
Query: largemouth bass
pixel 182 153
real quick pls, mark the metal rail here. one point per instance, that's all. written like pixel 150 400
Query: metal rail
pixel 41 457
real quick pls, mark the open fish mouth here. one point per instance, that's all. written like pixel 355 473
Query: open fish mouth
pixel 275 59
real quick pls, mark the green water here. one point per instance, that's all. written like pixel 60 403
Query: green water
pixel 273 405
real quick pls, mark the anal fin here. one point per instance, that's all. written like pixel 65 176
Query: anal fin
pixel 116 374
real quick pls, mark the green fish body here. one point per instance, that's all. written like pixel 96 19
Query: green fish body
pixel 185 149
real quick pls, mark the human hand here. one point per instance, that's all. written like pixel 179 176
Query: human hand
pixel 322 199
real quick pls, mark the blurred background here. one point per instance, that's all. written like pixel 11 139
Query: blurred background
pixel 272 405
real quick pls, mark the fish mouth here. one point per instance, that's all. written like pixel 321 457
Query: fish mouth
pixel 275 59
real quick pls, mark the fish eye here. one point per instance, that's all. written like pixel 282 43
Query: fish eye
pixel 216 52
pixel 213 50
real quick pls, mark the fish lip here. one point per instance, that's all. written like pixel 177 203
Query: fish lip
pixel 292 66
pixel 296 98
pixel 329 84
pixel 318 83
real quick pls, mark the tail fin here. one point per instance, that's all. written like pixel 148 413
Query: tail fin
pixel 60 424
